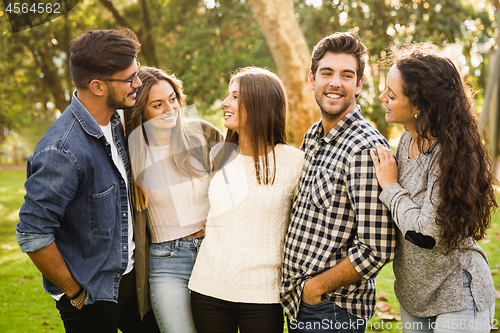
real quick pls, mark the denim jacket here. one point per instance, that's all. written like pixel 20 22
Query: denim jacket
pixel 76 197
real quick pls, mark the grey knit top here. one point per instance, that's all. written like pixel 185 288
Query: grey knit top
pixel 428 282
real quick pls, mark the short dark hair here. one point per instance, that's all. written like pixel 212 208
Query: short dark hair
pixel 101 53
pixel 340 42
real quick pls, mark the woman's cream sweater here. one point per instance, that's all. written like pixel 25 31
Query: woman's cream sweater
pixel 240 258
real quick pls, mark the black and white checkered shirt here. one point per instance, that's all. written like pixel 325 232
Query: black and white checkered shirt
pixel 336 214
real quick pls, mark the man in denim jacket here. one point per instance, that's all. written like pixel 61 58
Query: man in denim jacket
pixel 75 223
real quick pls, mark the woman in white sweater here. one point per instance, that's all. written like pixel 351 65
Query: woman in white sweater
pixel 170 168
pixel 236 279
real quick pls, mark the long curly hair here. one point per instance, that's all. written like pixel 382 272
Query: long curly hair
pixel 445 107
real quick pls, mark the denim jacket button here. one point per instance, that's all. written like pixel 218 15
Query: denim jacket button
pixel 124 214
pixel 124 247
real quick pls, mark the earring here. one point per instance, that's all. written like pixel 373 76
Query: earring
pixel 416 115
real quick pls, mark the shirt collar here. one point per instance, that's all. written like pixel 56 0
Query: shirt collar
pixel 340 127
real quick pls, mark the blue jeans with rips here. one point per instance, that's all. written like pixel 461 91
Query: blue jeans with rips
pixel 323 317
pixel 171 264
pixel 468 320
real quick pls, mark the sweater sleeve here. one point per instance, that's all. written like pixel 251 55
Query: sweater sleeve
pixel 416 221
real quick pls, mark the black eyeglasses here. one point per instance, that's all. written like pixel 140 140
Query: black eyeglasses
pixel 131 80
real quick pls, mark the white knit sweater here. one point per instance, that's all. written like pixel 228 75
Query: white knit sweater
pixel 240 257
pixel 177 205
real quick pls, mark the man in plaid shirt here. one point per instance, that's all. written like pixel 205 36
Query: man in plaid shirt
pixel 340 234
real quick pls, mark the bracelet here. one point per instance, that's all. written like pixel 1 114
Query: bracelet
pixel 76 295
pixel 82 298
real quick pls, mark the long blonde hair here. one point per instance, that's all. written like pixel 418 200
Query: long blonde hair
pixel 182 136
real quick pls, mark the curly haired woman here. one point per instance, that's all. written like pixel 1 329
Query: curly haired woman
pixel 440 193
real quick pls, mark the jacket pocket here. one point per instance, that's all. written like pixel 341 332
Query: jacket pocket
pixel 102 209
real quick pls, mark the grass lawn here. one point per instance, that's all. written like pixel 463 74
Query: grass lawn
pixel 25 307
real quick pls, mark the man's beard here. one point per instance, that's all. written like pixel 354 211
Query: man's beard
pixel 334 114
pixel 113 102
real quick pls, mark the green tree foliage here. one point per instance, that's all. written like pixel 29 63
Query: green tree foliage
pixel 200 43
pixel 203 45
pixel 380 23
pixel 203 41
pixel 36 83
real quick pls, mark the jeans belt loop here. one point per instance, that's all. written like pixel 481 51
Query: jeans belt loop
pixel 468 275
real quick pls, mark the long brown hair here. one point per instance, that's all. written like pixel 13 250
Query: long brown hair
pixel 262 97
pixel 437 90
pixel 182 136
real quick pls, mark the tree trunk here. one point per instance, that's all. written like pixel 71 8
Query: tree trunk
pixel 15 149
pixel 378 116
pixel 491 105
pixel 289 49
pixel 67 47
pixel 144 35
pixel 44 59
pixel 120 20
pixel 489 114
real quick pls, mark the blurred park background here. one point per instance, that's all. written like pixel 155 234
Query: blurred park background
pixel 202 42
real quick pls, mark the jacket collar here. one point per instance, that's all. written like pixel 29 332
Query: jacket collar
pixel 86 120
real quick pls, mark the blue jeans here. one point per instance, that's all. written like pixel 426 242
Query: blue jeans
pixel 171 264
pixel 323 317
pixel 467 320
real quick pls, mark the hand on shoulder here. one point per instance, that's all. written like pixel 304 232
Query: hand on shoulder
pixel 385 164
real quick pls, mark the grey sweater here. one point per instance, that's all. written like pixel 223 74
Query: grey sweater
pixel 428 282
